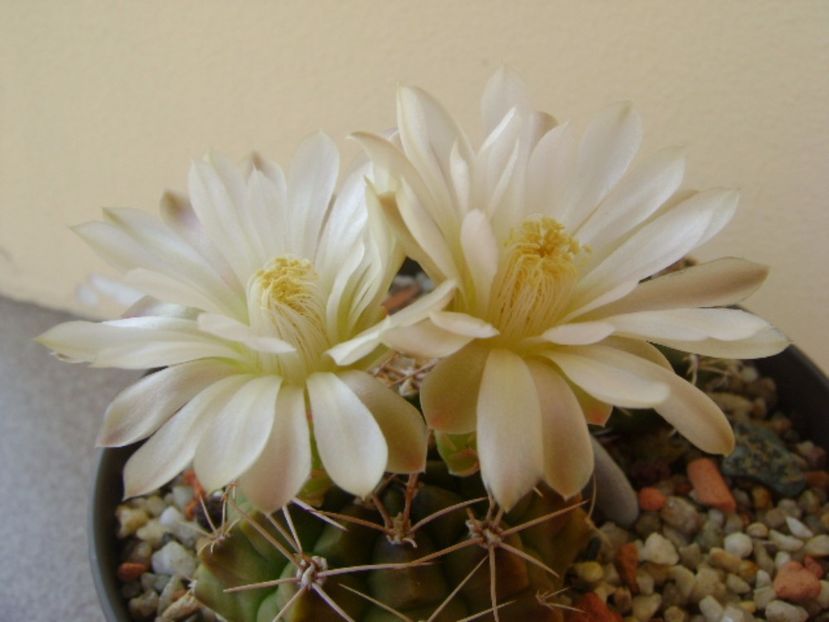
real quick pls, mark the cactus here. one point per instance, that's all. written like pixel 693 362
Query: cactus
pixel 430 548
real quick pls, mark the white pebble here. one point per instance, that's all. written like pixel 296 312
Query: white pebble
pixel 823 597
pixel 711 609
pixel 738 544
pixel 781 559
pixel 798 529
pixel 764 596
pixel 778 611
pixel 644 607
pixel 818 546
pixel 182 495
pixel 659 550
pixel 130 520
pixel 152 533
pixel 763 579
pixel 174 559
pixel 184 530
pixel 733 614
pixel 716 516
pixel 644 582
pixel 784 542
pixel 155 505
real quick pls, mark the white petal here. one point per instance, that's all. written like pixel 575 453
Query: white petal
pixel 581 333
pixel 606 149
pixel 218 213
pixel 688 324
pixel 550 170
pixel 463 324
pixel 285 462
pixel 233 330
pixel 765 343
pixel 424 339
pixel 312 176
pixel 692 412
pixel 140 409
pixel 401 423
pixel 568 451
pixel 480 251
pixel 609 375
pixel 639 348
pixel 426 231
pixel 126 343
pixel 350 442
pixel 634 199
pixel 504 91
pixel 351 351
pixel 423 306
pixel 509 428
pixel 172 447
pixel 173 290
pixel 238 434
pixel 446 406
pixel 721 282
pixel 653 247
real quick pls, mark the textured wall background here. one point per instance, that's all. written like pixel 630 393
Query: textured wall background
pixel 104 104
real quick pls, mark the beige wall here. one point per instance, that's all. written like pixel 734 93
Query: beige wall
pixel 104 104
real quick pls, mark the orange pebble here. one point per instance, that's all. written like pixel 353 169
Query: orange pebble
pixel 813 566
pixel 709 485
pixel 651 499
pixel 627 560
pixel 817 479
pixel 795 583
pixel 131 571
pixel 591 608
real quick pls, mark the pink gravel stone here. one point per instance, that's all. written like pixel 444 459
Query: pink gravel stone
pixel 709 485
pixel 796 583
pixel 651 499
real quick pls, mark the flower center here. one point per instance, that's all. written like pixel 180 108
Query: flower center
pixel 285 301
pixel 536 278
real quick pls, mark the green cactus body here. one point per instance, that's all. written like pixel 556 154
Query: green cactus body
pixel 432 549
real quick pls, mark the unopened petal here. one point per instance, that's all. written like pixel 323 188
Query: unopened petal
pixel 449 393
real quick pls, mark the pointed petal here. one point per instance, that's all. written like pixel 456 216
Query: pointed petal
pixel 692 412
pixel 688 324
pixel 233 330
pixel 595 411
pixel 238 433
pixel 463 324
pixel 607 148
pixel 312 176
pixel 767 342
pixel 504 91
pixel 281 469
pixel 550 170
pixel 634 199
pixel 350 442
pixel 568 451
pixel 580 333
pixel 172 447
pixel 722 282
pixel 446 407
pixel 480 251
pixel 609 375
pixel 425 340
pixel 509 428
pixel 140 409
pixel 401 423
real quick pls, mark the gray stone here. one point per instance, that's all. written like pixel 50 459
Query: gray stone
pixel 779 611
pixel 711 609
pixel 738 544
pixel 761 455
pixel 174 559
pixel 659 550
pixel 644 607
pixel 681 514
pixel 817 546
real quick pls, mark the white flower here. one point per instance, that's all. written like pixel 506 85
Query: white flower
pixel 550 239
pixel 253 284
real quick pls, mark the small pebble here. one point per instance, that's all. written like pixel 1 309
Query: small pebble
pixel 681 514
pixel 763 596
pixel 684 580
pixel 644 607
pixel 152 533
pixel 775 518
pixel 757 530
pixel 736 584
pixel 813 566
pixel 674 614
pixel 711 609
pixel 589 572
pixel 723 559
pixel 174 559
pixel 131 571
pixel 707 583
pixel 733 614
pixel 644 582
pixel 784 542
pixel 710 486
pixel 651 499
pixel 781 559
pixel 659 550
pixel 691 555
pixel 143 607
pixel 738 544
pixel 795 583
pixel 129 520
pixel 779 611
pixel 173 590
pixel 763 579
pixel 182 495
pixel 155 505
pixel 818 546
pixel 823 597
pixel 798 529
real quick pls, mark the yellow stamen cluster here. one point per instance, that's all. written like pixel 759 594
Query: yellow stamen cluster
pixel 536 278
pixel 284 300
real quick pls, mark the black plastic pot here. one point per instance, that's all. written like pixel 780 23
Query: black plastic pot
pixel 803 390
